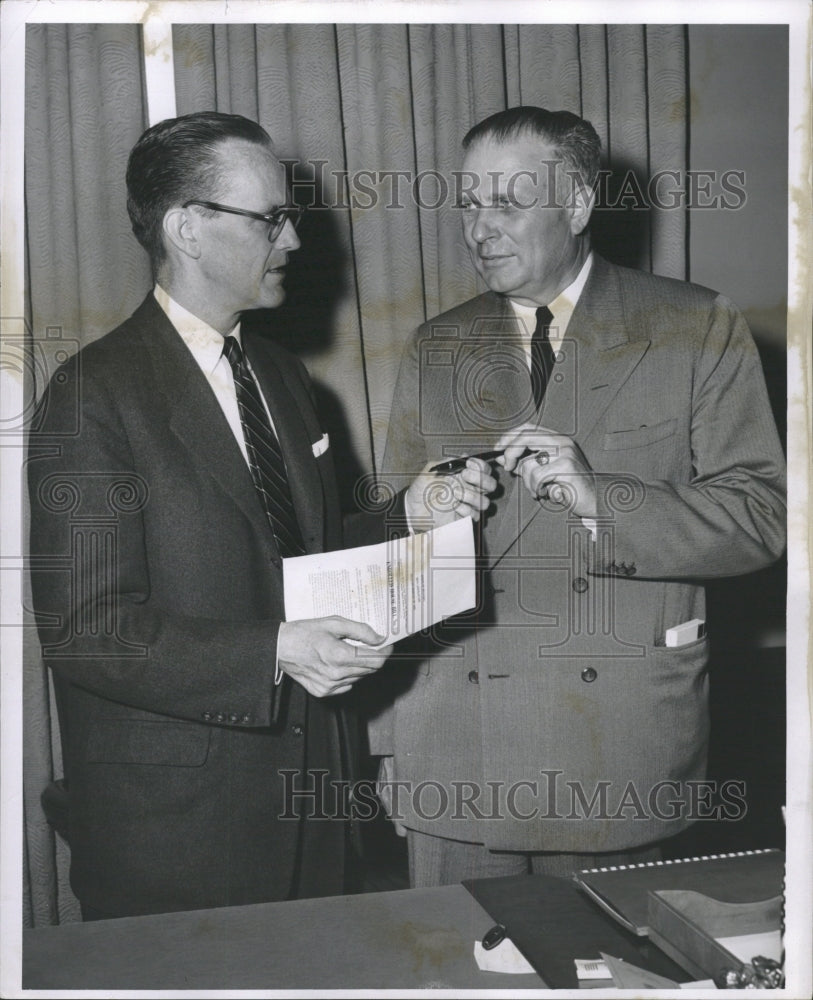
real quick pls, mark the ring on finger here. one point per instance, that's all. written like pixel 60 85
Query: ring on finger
pixel 542 458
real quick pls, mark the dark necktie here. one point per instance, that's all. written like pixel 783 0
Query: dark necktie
pixel 264 455
pixel 542 357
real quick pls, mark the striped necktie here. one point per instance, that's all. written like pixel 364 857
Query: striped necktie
pixel 264 455
pixel 542 358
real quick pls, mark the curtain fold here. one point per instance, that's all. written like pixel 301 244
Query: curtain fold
pixel 668 146
pixel 549 66
pixel 458 78
pixel 374 77
pixel 369 119
pixel 84 109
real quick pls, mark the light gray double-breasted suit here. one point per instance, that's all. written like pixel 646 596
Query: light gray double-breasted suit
pixel 554 717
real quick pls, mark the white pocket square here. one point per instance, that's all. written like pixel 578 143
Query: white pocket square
pixel 321 446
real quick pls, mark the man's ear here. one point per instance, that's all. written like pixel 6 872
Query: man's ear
pixel 181 230
pixel 582 200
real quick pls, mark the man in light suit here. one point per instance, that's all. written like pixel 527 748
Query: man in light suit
pixel 168 478
pixel 557 726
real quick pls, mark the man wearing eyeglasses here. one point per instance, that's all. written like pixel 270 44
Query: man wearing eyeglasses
pixel 192 714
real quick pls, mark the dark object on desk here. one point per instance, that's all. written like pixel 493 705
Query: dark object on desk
pixel 760 974
pixel 493 936
pixel 741 877
pixel 552 923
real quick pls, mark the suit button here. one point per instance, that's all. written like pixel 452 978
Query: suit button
pixel 474 677
pixel 580 584
pixel 220 717
pixel 246 719
pixel 234 718
pixel 207 716
pixel 297 729
pixel 589 675
pixel 631 570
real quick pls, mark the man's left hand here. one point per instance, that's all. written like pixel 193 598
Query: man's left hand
pixel 557 471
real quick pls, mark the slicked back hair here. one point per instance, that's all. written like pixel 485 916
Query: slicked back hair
pixel 572 137
pixel 177 160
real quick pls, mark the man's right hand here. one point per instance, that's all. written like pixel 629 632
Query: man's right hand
pixel 435 500
pixel 313 652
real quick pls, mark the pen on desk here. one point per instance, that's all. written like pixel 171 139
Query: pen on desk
pixel 458 464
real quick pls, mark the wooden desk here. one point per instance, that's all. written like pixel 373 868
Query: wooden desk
pixel 388 940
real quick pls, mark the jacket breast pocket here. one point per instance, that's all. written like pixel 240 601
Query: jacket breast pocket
pixel 640 437
pixel 137 741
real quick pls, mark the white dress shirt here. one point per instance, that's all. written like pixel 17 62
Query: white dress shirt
pixel 206 347
pixel 562 309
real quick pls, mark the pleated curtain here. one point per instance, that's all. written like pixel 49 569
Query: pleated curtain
pixel 391 100
pixel 84 109
pixel 368 99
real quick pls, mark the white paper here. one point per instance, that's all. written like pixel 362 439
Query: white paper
pixel 398 587
pixel 591 968
pixel 506 957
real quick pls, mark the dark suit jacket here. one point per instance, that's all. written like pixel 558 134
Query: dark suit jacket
pixel 158 591
pixel 556 709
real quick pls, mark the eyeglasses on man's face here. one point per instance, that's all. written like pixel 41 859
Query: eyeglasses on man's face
pixel 276 219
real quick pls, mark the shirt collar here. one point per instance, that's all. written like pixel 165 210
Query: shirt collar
pixel 561 307
pixel 205 343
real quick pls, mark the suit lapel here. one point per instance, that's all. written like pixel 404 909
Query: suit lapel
pixel 288 409
pixel 500 389
pixel 493 382
pixel 197 420
pixel 599 354
pixel 607 346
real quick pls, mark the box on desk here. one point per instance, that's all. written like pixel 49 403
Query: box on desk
pixel 708 937
pixel 740 877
